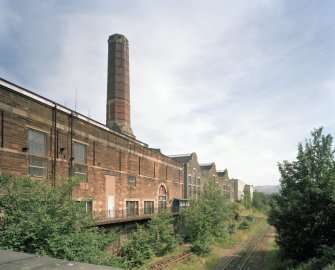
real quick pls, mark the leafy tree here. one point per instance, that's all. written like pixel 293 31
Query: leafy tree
pixel 38 218
pixel 137 250
pixel 304 210
pixel 247 202
pixel 156 239
pixel 206 218
pixel 261 201
pixel 162 235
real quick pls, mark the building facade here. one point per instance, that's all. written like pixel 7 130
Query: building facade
pixel 196 175
pixel 120 176
pixel 238 189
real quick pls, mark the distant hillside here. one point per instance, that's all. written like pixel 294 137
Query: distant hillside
pixel 269 189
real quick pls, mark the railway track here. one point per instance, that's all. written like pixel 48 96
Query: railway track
pixel 179 258
pixel 238 261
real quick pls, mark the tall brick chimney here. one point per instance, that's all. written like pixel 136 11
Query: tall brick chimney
pixel 118 94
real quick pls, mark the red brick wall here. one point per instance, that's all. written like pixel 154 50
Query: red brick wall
pixel 107 153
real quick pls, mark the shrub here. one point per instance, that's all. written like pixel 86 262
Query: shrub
pixel 244 225
pixel 157 239
pixel 137 250
pixel 162 237
pixel 207 219
pixel 303 211
pixel 38 218
pixel 250 218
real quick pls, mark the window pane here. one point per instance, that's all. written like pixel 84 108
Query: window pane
pixel 37 142
pixel 80 152
pixel 37 166
pixel 80 171
pixel 89 206
pixel 148 207
pixel 132 208
pixel 132 181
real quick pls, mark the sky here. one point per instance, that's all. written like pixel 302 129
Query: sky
pixel 240 83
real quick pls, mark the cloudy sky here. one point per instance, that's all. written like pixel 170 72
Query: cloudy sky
pixel 238 82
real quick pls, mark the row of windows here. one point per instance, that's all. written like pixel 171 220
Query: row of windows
pixel 37 145
pixel 133 209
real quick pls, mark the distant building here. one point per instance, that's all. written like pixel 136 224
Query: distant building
pixel 226 184
pixel 238 189
pixel 193 177
pixel 249 190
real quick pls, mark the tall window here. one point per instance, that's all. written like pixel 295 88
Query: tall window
pixel 161 198
pixel 80 159
pixel 37 143
pixel 194 177
pixel 132 208
pixel 148 207
pixel 189 187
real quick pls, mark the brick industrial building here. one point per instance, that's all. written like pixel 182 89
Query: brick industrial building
pixel 121 175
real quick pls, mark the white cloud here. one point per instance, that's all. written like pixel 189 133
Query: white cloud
pixel 238 83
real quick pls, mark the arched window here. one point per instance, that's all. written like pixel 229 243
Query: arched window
pixel 161 198
pixel 198 181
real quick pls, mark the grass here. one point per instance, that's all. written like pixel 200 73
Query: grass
pixel 210 261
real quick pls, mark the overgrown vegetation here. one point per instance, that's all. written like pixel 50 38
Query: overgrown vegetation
pixel 207 219
pixel 304 210
pixel 36 217
pixel 157 239
pixel 41 219
pixel 262 202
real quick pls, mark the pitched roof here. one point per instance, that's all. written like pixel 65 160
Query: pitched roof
pixel 206 167
pixel 184 158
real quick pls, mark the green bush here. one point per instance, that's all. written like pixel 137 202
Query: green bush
pixel 201 246
pixel 41 219
pixel 303 211
pixel 139 249
pixel 244 225
pixel 162 237
pixel 250 218
pixel 207 219
pixel 156 239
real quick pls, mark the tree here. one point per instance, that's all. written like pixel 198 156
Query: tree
pixel 304 210
pixel 156 239
pixel 38 218
pixel 162 236
pixel 247 202
pixel 206 218
pixel 261 201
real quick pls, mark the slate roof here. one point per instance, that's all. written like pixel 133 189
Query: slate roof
pixel 206 167
pixel 184 158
